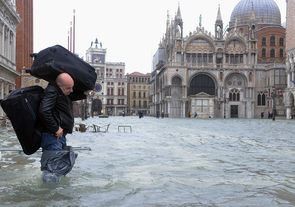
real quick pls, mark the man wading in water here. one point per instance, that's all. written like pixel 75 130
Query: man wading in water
pixel 57 117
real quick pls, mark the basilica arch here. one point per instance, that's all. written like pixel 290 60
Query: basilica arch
pixel 235 87
pixel 202 91
pixel 176 103
pixel 199 50
pixel 235 50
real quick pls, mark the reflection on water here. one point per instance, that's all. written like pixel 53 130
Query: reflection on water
pixel 163 162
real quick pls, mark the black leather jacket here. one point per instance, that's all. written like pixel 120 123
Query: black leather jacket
pixel 56 110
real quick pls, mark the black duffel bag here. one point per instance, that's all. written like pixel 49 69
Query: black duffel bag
pixel 52 61
pixel 21 107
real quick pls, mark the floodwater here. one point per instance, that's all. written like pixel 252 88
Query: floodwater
pixel 163 162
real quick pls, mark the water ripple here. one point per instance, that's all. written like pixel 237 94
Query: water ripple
pixel 163 162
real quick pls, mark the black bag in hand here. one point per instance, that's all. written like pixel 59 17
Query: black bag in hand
pixel 21 106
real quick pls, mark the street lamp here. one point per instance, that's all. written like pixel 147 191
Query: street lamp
pixel 224 105
pixel 273 96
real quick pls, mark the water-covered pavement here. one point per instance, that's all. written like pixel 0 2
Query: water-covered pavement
pixel 163 162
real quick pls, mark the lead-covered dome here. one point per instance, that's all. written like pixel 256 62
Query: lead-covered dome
pixel 266 12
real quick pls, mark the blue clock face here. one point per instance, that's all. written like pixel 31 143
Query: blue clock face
pixel 98 87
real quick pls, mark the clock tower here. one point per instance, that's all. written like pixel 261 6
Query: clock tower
pixel 96 54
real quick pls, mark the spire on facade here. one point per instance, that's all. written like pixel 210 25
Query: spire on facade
pixel 178 14
pixel 219 18
pixel 96 42
pixel 219 25
pixel 167 21
pixel 200 20
pixel 252 11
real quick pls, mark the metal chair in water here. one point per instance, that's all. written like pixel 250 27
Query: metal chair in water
pixel 126 128
pixel 103 128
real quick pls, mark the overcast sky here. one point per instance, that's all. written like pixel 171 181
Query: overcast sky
pixel 130 30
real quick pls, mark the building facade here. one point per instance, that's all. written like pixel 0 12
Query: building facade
pixel 111 85
pixel 290 61
pixel 24 45
pixel 116 88
pixel 138 90
pixel 234 73
pixel 8 22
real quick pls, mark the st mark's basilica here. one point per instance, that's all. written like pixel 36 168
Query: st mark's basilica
pixel 237 72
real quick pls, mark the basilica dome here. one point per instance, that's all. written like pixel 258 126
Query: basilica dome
pixel 266 12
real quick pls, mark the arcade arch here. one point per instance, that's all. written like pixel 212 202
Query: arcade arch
pixel 201 93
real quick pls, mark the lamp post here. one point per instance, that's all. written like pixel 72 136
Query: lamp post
pixel 273 96
pixel 224 105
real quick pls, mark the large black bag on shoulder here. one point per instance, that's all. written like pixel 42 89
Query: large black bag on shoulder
pixel 21 106
pixel 52 61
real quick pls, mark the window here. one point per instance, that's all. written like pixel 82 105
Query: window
pixel 281 53
pixel 139 94
pixel 261 99
pixel 199 58
pixel 120 101
pixel 202 83
pixel 236 59
pixel 263 53
pixel 226 58
pixel 241 58
pixel 263 42
pixel 231 60
pixel 281 41
pixel 145 104
pixel 139 103
pixel 272 41
pixel 188 58
pixel 205 58
pixel 272 53
pixel 110 101
pixel 134 94
pixel 210 58
pixel 234 95
pixel 134 103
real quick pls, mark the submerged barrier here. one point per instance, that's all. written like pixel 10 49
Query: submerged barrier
pixel 21 151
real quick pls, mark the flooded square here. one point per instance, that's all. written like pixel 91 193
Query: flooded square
pixel 162 162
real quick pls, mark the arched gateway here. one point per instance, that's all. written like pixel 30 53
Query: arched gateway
pixel 201 94
pixel 176 97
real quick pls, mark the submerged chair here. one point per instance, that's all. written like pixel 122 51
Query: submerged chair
pixel 81 127
pixel 103 128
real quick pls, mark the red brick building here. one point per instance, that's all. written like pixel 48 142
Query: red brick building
pixel 24 38
pixel 271 44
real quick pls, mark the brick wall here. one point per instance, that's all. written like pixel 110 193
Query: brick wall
pixel 267 32
pixel 24 36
